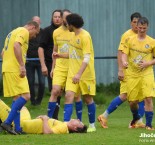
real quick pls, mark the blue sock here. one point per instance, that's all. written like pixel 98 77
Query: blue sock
pixel 135 114
pixel 16 107
pixel 114 104
pixel 51 108
pixel 141 109
pixel 79 109
pixel 91 112
pixel 149 117
pixel 17 119
pixel 68 109
pixel 12 103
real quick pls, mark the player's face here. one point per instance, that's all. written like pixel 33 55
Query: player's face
pixel 33 32
pixel 76 123
pixel 57 19
pixel 70 28
pixel 134 24
pixel 142 29
pixel 65 14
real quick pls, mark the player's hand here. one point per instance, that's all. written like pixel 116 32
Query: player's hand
pixel 44 70
pixel 143 64
pixel 55 55
pixel 51 73
pixel 121 75
pixel 43 117
pixel 22 71
pixel 125 64
pixel 76 79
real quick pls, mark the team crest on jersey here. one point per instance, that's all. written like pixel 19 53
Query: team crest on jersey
pixel 147 46
pixel 78 41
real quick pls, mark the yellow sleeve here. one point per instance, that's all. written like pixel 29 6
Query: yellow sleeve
pixel 22 37
pixel 122 42
pixel 120 45
pixel 54 38
pixel 58 127
pixel 87 45
pixel 126 46
pixel 154 48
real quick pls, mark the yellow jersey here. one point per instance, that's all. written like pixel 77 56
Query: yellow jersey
pixel 61 37
pixel 80 45
pixel 124 37
pixel 4 111
pixel 10 63
pixel 138 50
pixel 35 126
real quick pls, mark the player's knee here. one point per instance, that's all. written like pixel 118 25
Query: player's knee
pixel 134 104
pixel 78 99
pixel 123 97
pixel 148 102
pixel 55 92
pixel 26 96
pixel 69 97
pixel 88 99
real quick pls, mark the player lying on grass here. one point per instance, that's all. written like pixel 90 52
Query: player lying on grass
pixel 42 124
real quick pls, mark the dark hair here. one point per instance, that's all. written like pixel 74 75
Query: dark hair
pixel 143 20
pixel 135 15
pixel 80 130
pixel 33 23
pixel 61 13
pixel 75 20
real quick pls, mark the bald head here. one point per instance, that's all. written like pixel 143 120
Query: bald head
pixel 36 19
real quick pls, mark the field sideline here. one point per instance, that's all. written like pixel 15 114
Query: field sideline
pixel 117 133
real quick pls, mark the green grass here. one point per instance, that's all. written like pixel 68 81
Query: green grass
pixel 117 133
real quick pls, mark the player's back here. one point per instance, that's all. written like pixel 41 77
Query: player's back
pixel 10 63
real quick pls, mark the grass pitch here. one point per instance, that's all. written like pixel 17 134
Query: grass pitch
pixel 117 133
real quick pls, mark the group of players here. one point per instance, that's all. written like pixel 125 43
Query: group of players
pixel 135 71
pixel 73 70
pixel 76 74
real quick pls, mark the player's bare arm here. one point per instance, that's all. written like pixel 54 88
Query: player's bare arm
pixel 144 64
pixel 55 50
pixel 60 55
pixel 77 77
pixel 125 60
pixel 18 54
pixel 2 53
pixel 120 66
pixel 42 61
pixel 46 128
pixel 85 62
